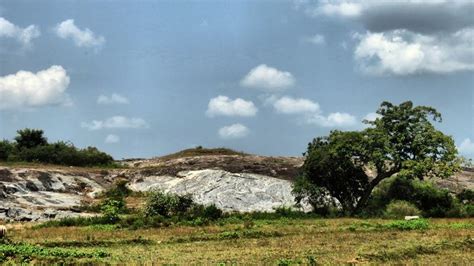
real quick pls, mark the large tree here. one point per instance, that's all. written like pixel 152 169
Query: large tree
pixel 349 165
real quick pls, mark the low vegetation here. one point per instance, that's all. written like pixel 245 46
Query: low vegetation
pixel 255 240
pixel 380 174
pixel 201 151
pixel 30 145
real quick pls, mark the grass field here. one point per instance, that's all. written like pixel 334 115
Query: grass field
pixel 280 241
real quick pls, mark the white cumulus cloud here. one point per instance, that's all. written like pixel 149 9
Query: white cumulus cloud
pixel 288 105
pixel 311 113
pixel 402 52
pixel 406 37
pixel 268 79
pixel 28 89
pixel 234 131
pixel 344 9
pixel 22 35
pixel 112 99
pixel 332 120
pixel 466 147
pixel 81 37
pixel 111 138
pixel 115 122
pixel 224 106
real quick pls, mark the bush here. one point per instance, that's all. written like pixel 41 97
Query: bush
pixel 111 209
pixel 179 208
pixel 468 210
pixel 31 146
pixel 419 224
pixel 6 149
pixel 466 196
pixel 119 190
pixel 167 205
pixel 399 209
pixel 432 201
pixel 211 212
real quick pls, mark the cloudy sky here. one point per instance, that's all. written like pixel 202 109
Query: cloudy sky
pixel 146 78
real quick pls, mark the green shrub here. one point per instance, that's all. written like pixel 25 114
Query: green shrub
pixel 466 196
pixel 27 252
pixel 6 149
pixel 74 221
pixel 420 224
pixel 211 212
pixel 31 146
pixel 430 200
pixel 111 209
pixel 398 209
pixel 468 210
pixel 119 190
pixel 167 204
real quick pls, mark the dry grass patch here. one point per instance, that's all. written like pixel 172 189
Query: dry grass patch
pixel 325 241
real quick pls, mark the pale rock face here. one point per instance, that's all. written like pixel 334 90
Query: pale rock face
pixel 240 192
pixel 29 195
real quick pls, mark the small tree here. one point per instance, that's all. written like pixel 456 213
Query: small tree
pixel 401 141
pixel 30 138
pixel 6 149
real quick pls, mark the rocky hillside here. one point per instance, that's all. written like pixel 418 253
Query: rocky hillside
pixel 232 181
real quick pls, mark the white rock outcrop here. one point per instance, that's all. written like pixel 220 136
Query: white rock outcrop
pixel 240 192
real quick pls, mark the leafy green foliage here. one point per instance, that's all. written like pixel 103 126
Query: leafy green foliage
pixel 401 141
pixel 27 252
pixel 167 205
pixel 6 148
pixel 432 201
pixel 399 209
pixel 119 190
pixel 31 146
pixel 111 209
pixel 30 138
pixel 466 196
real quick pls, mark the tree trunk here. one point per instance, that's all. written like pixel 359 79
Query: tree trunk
pixel 372 184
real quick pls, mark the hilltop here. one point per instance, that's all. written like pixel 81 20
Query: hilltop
pixel 234 181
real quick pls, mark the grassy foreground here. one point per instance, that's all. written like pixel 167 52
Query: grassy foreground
pixel 281 241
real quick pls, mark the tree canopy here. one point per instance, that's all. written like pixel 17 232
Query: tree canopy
pixel 348 165
pixel 30 138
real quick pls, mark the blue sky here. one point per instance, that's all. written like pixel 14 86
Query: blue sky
pixel 147 78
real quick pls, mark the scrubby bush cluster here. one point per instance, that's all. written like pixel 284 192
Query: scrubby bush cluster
pixel 401 194
pixel 30 145
pixel 398 209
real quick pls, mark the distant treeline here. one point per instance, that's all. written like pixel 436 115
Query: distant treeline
pixel 30 145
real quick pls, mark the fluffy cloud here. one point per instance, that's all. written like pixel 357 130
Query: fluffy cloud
pixel 288 105
pixel 224 106
pixel 115 122
pixel 112 99
pixel 311 112
pixel 466 147
pixel 317 39
pixel 22 35
pixel 332 120
pixel 111 138
pixel 82 38
pixel 372 116
pixel 234 131
pixel 28 89
pixel 406 37
pixel 268 78
pixel 344 9
pixel 425 16
pixel 402 52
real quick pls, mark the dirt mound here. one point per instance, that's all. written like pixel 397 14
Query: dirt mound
pixel 279 167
